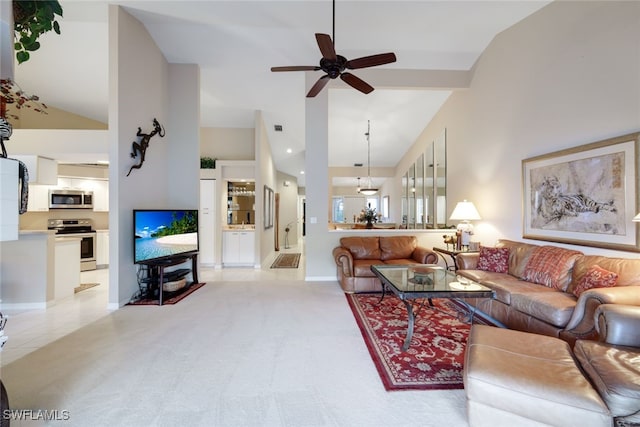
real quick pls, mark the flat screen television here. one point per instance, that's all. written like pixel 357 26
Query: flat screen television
pixel 162 234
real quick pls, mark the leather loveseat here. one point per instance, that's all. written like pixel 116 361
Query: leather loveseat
pixel 536 300
pixel 517 378
pixel 355 256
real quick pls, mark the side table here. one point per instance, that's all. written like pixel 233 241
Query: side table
pixel 452 253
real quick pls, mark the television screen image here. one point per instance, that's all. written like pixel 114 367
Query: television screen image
pixel 162 234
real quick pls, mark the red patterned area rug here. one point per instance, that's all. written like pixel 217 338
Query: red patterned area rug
pixel 435 357
pixel 172 300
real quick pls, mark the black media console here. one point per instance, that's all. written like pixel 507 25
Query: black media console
pixel 156 275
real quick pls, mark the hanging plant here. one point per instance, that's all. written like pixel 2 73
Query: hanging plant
pixel 31 19
pixel 11 95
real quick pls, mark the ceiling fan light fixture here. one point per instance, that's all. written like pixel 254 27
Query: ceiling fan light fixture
pixel 334 65
pixel 369 191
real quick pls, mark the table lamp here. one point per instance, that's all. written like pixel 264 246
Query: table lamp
pixel 465 212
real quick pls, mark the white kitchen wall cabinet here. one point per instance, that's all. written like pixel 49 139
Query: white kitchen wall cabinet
pixel 100 195
pixel 38 198
pixel 42 170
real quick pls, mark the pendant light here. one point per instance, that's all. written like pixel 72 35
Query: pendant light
pixel 369 191
pixel 358 185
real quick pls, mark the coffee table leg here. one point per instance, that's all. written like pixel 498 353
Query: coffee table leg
pixel 383 289
pixel 407 340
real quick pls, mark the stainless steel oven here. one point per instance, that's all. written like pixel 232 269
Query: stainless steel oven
pixel 82 228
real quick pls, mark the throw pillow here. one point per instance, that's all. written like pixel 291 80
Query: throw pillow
pixel 596 277
pixel 551 266
pixel 494 259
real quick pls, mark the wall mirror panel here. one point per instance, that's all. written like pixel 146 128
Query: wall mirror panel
pixel 424 188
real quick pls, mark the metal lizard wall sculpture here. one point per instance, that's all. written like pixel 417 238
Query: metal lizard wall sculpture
pixel 141 148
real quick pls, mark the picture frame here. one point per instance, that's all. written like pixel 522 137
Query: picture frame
pixel 268 202
pixel 586 195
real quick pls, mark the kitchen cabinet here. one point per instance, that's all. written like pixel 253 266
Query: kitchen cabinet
pixel 102 248
pixel 67 266
pixel 100 188
pixel 9 223
pixel 100 195
pixel 238 248
pixel 207 221
pixel 38 198
pixel 42 170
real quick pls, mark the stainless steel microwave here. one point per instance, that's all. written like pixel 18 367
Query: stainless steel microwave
pixel 70 199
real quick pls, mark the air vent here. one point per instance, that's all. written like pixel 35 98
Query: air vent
pixel 278 128
pixel 358 165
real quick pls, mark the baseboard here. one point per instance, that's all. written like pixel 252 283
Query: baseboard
pixel 321 279
pixel 26 306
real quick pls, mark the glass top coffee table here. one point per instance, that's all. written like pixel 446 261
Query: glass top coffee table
pixel 420 281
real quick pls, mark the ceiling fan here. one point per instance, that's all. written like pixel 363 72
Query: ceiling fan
pixel 334 65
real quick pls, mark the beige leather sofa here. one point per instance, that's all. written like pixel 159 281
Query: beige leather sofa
pixel 515 378
pixel 355 256
pixel 532 307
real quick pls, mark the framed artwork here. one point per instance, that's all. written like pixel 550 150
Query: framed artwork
pixel 268 202
pixel 586 195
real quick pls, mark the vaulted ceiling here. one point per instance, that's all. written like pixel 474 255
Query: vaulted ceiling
pixel 236 42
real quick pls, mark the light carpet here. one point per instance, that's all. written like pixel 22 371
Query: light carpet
pixel 264 353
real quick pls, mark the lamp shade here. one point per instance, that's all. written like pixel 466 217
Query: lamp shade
pixel 368 191
pixel 465 211
pixel 636 218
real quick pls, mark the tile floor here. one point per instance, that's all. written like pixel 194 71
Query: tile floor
pixel 29 330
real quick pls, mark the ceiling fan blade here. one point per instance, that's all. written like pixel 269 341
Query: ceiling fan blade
pixel 297 68
pixel 371 61
pixel 318 86
pixel 356 83
pixel 326 46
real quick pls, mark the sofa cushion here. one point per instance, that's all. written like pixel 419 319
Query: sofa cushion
pixel 397 247
pixel 362 267
pixel 595 277
pixel 614 372
pixel 362 247
pixel 551 266
pixel 503 284
pixel 494 259
pixel 627 269
pixel 519 254
pixel 525 379
pixel 545 304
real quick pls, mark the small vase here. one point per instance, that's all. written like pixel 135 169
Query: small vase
pixel 369 224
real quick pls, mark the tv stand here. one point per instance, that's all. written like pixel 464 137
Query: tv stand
pixel 157 276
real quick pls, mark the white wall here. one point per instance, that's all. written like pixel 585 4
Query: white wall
pixel 288 208
pixel 228 143
pixel 563 77
pixel 266 175
pixel 141 85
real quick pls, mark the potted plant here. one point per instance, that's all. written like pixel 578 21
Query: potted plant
pixel 207 163
pixel 31 19
pixel 369 215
